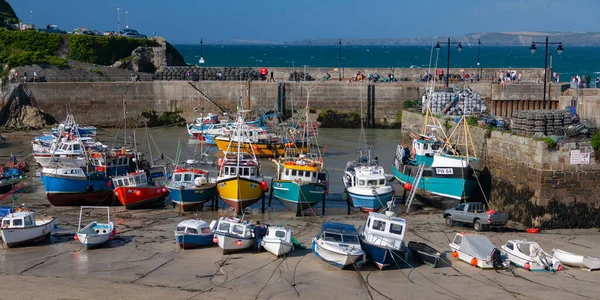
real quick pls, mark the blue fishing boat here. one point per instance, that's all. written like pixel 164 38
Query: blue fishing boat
pixel 382 239
pixel 194 233
pixel 448 176
pixel 366 184
pixel 70 186
pixel 190 188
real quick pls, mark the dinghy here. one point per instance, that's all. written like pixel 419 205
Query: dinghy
pixel 194 233
pixel 478 251
pixel 22 227
pixel 278 240
pixel 95 234
pixel 234 234
pixel 424 253
pixel 338 245
pixel 530 256
pixel 574 260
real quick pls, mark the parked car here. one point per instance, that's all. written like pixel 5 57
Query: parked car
pixel 475 213
pixel 52 29
pixel 132 33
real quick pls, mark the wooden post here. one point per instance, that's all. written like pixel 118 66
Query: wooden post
pixel 271 192
pixel 263 203
pixel 323 206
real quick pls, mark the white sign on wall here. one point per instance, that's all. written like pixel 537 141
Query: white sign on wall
pixel 579 158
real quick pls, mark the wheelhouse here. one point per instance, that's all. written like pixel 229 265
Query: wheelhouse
pixel 131 180
pixel 384 230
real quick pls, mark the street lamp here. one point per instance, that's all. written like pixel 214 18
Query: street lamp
pixel 31 17
pixel 340 60
pixel 437 48
pixel 126 19
pixel 478 64
pixel 118 20
pixel 559 50
pixel 201 51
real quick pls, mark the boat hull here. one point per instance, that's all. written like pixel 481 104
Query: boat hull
pixel 338 260
pixel 456 188
pixel 103 234
pixel 229 243
pixel 263 150
pixel 46 160
pixel 14 237
pixel 190 241
pixel 276 246
pixel 148 196
pixel 383 256
pixel 578 261
pixel 298 198
pixel 192 199
pixel 368 202
pixel 239 192
pixel 77 191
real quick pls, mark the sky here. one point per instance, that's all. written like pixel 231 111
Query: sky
pixel 186 21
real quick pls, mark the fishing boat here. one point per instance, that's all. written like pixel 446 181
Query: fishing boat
pixel 424 254
pixel 95 234
pixel 70 125
pixel 193 233
pixel 447 174
pixel 338 245
pixel 67 153
pixel 9 178
pixel 574 260
pixel 530 256
pixel 278 240
pixel 366 184
pixel 234 234
pixel 190 188
pixel 206 128
pixel 71 186
pixel 382 239
pixel 478 251
pixel 257 141
pixel 239 182
pixel 22 227
pixel 135 190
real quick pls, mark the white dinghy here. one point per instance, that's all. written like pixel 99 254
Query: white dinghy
pixel 278 240
pixel 95 234
pixel 574 260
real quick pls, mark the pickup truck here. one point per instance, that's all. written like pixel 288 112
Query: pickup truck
pixel 476 214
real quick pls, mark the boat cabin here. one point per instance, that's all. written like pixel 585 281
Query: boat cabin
pixel 189 177
pixel 69 147
pixel 194 227
pixel 366 176
pixel 134 179
pixel 22 219
pixel 338 233
pixel 235 227
pixel 247 167
pixel 278 232
pixel 384 230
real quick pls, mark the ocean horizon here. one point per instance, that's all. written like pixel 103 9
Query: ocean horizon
pixel 575 60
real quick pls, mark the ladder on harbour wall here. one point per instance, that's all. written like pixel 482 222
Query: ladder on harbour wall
pixel 208 99
pixel 415 184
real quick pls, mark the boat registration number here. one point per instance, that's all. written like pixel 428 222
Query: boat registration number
pixel 444 171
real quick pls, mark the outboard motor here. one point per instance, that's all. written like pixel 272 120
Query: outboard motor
pixel 497 259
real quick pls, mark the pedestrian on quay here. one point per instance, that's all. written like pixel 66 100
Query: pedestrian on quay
pixel 16 78
pixel 519 78
pixel 219 76
pixel 271 79
pixel 132 77
pixel 35 77
pixel 259 232
pixel 25 77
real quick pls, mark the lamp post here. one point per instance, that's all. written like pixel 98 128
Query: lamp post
pixel 201 51
pixel 340 60
pixel 437 48
pixel 126 19
pixel 118 20
pixel 478 64
pixel 559 50
pixel 31 17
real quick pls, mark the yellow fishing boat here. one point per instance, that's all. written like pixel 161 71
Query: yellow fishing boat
pixel 256 141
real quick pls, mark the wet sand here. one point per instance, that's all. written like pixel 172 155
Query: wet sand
pixel 144 262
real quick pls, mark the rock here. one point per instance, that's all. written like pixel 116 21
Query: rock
pixel 18 113
pixel 143 59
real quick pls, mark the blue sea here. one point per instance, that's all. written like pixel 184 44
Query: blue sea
pixel 574 60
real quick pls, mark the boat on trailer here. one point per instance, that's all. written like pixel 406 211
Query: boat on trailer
pixel 95 234
pixel 478 251
pixel 530 256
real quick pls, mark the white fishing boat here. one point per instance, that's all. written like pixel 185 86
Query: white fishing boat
pixel 338 245
pixel 234 234
pixel 95 234
pixel 278 240
pixel 530 256
pixel 575 260
pixel 478 251
pixel 382 238
pixel 22 227
pixel 67 153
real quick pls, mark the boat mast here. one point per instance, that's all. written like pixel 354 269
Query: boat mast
pixel 125 121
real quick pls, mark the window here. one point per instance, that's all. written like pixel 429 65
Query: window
pixel 307 174
pixel 205 230
pixel 198 176
pixel 76 147
pixel 460 207
pixel 18 222
pixel 280 234
pixel 510 246
pixel 396 228
pixel 294 172
pixel 187 177
pixel 379 225
pixel 181 228
pixel 232 171
pixel 144 179
pixel 226 171
pixel 314 174
pixel 252 171
pixel 300 173
pixel 369 222
pixel 372 183
pixel 137 179
pixel 381 181
pixel 246 171
pixel 332 237
pixel 238 229
pixel 5 223
pixel 125 181
pixel 287 172
pixel 361 182
pixel 457 239
pixel 191 230
pixel 350 239
pixel 177 177
pixel 224 227
pixel 120 182
pixel 28 221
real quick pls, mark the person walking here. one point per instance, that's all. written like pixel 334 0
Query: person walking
pixel 271 79
pixel 259 233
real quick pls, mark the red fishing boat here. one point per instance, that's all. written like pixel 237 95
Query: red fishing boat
pixel 136 191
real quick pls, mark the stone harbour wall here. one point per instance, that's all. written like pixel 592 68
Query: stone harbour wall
pixel 536 184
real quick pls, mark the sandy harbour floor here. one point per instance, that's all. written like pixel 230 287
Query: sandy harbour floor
pixel 144 262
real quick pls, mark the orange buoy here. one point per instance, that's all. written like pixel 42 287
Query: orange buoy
pixel 407 186
pixel 455 254
pixel 474 261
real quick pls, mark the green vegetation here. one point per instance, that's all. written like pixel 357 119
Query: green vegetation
pixel 19 48
pixel 97 71
pixel 550 143
pixel 472 120
pixel 167 118
pixel 103 50
pixel 7 14
pixel 596 142
pixel 410 104
pixel 334 119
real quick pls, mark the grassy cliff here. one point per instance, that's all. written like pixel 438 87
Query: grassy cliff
pixel 7 14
